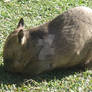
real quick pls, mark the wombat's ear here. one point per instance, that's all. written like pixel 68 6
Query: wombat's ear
pixel 21 23
pixel 20 36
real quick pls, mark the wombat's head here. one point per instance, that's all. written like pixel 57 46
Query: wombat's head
pixel 17 49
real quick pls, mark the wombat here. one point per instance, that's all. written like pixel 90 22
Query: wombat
pixel 65 41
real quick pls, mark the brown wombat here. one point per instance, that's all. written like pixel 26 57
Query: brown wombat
pixel 64 42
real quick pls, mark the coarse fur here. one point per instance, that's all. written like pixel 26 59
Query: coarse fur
pixel 64 42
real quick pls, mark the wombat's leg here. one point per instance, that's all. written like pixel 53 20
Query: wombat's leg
pixel 44 67
pixel 88 64
pixel 38 67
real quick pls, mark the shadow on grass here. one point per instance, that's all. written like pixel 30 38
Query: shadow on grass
pixel 8 78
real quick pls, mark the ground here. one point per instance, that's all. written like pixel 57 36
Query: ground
pixel 36 12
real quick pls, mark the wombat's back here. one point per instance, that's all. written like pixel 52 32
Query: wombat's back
pixel 73 36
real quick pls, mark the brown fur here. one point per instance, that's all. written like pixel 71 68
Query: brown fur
pixel 66 41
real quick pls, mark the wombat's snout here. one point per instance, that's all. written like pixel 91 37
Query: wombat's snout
pixel 5 66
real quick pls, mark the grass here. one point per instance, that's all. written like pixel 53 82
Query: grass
pixel 36 12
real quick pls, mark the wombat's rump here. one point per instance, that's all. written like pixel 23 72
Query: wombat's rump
pixel 64 42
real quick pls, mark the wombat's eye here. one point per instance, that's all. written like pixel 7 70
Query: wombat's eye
pixel 37 34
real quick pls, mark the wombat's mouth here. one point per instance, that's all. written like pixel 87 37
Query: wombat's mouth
pixel 6 68
pixel 7 64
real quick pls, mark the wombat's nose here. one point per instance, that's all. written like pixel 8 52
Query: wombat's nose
pixel 5 67
pixel 6 64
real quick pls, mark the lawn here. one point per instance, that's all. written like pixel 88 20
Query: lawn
pixel 36 12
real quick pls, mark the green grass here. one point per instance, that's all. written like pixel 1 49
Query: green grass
pixel 36 12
